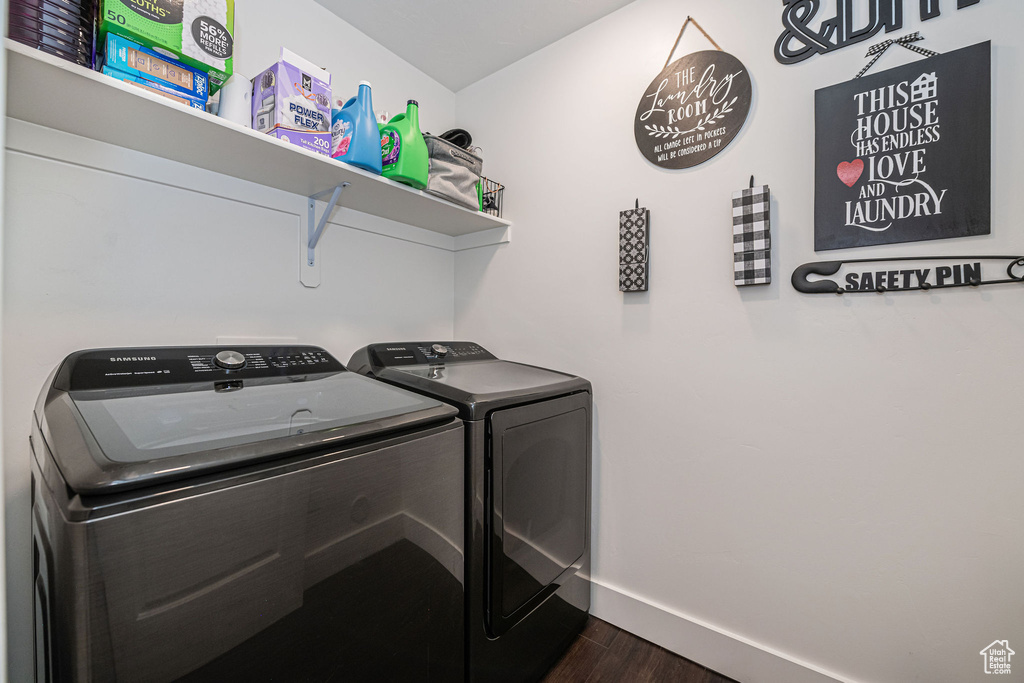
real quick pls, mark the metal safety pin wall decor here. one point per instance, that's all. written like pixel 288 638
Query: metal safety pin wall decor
pixel 885 275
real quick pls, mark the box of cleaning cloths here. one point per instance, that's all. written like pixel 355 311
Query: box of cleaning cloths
pixel 199 33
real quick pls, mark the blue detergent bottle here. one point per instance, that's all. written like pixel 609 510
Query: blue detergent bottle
pixel 354 135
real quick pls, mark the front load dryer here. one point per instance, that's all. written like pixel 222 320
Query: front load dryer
pixel 528 474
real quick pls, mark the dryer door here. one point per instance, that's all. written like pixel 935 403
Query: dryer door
pixel 539 504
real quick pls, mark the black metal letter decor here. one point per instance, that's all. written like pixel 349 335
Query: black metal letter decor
pixel 801 40
pixel 751 236
pixel 904 155
pixel 634 243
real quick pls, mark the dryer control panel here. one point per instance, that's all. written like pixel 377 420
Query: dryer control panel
pixel 422 353
pixel 155 366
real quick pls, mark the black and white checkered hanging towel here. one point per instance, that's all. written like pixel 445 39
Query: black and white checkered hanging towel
pixel 751 236
pixel 634 242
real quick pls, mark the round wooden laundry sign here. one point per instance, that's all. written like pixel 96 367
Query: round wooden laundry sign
pixel 693 109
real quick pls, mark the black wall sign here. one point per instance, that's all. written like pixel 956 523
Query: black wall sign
pixel 800 40
pixel 905 154
pixel 693 109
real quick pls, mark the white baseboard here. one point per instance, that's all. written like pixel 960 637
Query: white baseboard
pixel 727 653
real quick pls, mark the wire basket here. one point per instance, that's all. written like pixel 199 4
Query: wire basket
pixel 490 196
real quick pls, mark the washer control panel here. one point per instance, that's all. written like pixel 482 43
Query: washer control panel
pixel 422 353
pixel 229 360
pixel 154 366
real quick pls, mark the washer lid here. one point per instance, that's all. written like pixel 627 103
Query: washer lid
pixel 116 438
pixel 478 387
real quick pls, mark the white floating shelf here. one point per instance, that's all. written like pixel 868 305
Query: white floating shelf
pixel 40 88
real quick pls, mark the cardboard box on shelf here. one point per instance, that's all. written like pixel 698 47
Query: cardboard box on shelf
pixel 199 33
pixel 291 100
pixel 155 87
pixel 132 58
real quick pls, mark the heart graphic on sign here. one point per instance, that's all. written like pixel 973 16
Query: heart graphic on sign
pixel 849 171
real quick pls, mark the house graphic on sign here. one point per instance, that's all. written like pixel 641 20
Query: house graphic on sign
pixel 926 87
pixel 997 657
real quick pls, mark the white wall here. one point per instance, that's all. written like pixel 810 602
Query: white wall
pixel 3 564
pixel 785 485
pixel 107 247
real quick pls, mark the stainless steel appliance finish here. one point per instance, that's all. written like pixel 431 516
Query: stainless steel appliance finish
pixel 286 520
pixel 528 474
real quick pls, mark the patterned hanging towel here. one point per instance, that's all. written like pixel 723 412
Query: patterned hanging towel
pixel 634 242
pixel 751 236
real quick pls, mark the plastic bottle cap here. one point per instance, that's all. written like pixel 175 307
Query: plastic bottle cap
pixel 414 102
pixel 366 83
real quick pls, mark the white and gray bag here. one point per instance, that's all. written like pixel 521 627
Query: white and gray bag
pixel 454 172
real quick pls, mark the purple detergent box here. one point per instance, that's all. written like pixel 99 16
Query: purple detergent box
pixel 292 101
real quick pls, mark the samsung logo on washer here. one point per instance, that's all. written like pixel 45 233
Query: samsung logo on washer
pixel 396 348
pixel 131 359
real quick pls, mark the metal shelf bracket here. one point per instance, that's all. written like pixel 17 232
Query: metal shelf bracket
pixel 314 228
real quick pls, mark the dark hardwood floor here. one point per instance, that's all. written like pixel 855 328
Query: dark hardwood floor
pixel 606 653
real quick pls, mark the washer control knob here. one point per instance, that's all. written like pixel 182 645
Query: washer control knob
pixel 229 360
pixel 440 349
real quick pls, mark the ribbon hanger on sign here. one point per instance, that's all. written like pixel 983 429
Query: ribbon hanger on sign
pixel 876 51
pixel 680 37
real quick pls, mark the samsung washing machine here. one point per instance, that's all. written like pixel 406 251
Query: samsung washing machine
pixel 247 514
pixel 528 474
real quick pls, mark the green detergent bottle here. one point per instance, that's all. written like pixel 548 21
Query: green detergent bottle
pixel 403 150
